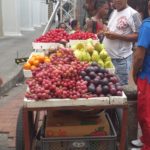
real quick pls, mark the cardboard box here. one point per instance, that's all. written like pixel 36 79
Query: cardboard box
pixel 72 125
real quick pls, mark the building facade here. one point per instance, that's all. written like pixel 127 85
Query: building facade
pixel 22 15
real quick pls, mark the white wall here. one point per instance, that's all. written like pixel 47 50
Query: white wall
pixel 1 23
pixel 44 13
pixel 18 15
pixel 26 15
pixel 11 19
pixel 36 13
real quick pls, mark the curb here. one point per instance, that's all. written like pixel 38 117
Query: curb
pixel 19 77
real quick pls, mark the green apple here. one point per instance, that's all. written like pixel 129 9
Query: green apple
pixel 98 47
pixel 103 54
pixel 95 56
pixel 108 64
pixel 101 63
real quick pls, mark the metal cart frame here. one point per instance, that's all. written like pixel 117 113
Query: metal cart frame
pixel 30 123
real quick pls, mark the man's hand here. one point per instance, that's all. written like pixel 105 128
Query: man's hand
pixel 111 35
pixel 115 36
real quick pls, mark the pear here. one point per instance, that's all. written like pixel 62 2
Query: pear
pixel 107 59
pixel 89 47
pixel 78 54
pixel 108 64
pixel 101 63
pixel 80 46
pixel 95 56
pixel 73 47
pixel 98 47
pixel 90 41
pixel 102 46
pixel 103 54
pixel 86 57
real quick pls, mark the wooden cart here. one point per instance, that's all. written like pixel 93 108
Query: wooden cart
pixel 28 117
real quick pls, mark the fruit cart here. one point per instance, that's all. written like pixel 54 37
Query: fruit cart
pixel 27 122
pixel 67 73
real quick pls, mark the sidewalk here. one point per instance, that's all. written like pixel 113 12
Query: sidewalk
pixel 9 108
pixel 10 48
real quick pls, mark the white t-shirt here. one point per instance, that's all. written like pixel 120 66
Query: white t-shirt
pixel 122 22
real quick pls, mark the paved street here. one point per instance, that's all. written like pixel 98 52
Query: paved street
pixel 9 107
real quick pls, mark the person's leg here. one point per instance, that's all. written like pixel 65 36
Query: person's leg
pixel 144 111
pixel 122 67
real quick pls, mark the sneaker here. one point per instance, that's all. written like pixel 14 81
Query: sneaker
pixel 137 143
pixel 135 149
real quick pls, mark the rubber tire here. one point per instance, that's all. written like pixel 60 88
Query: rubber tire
pixel 19 131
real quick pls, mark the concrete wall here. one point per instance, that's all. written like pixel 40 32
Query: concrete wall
pixel 1 24
pixel 26 22
pixel 11 20
pixel 22 15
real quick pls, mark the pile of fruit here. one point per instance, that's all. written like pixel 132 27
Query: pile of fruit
pixel 100 82
pixel 66 77
pixel 56 35
pixel 80 35
pixel 90 51
pixel 58 79
pixel 35 61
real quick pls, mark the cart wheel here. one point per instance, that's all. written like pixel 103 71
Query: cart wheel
pixel 19 132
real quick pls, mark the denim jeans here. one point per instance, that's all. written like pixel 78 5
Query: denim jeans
pixel 122 67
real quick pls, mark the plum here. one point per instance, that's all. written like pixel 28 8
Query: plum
pixel 98 90
pixel 92 74
pixel 105 90
pixel 83 73
pixel 87 78
pixel 91 88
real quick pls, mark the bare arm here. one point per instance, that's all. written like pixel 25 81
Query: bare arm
pixel 128 38
pixel 138 59
pixel 89 26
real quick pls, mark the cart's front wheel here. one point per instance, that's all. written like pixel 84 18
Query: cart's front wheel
pixel 19 131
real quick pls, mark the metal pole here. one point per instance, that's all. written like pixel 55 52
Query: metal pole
pixel 52 17
pixel 61 10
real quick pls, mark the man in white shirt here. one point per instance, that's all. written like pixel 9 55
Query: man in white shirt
pixel 122 32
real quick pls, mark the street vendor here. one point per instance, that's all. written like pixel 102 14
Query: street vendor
pixel 96 23
pixel 122 31
pixel 141 75
pixel 75 26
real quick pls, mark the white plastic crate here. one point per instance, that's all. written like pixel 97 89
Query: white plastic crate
pixel 116 100
pixel 45 46
pixel 66 102
pixel 112 100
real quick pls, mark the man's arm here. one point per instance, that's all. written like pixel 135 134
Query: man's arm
pixel 128 38
pixel 138 59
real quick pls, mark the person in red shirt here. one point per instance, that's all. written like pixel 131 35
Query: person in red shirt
pixel 96 23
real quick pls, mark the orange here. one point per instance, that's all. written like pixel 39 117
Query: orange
pixel 47 60
pixel 46 57
pixel 27 66
pixel 31 61
pixel 41 58
pixel 33 56
pixel 36 62
pixel 33 67
pixel 59 54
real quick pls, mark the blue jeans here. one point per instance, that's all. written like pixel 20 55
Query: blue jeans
pixel 122 67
